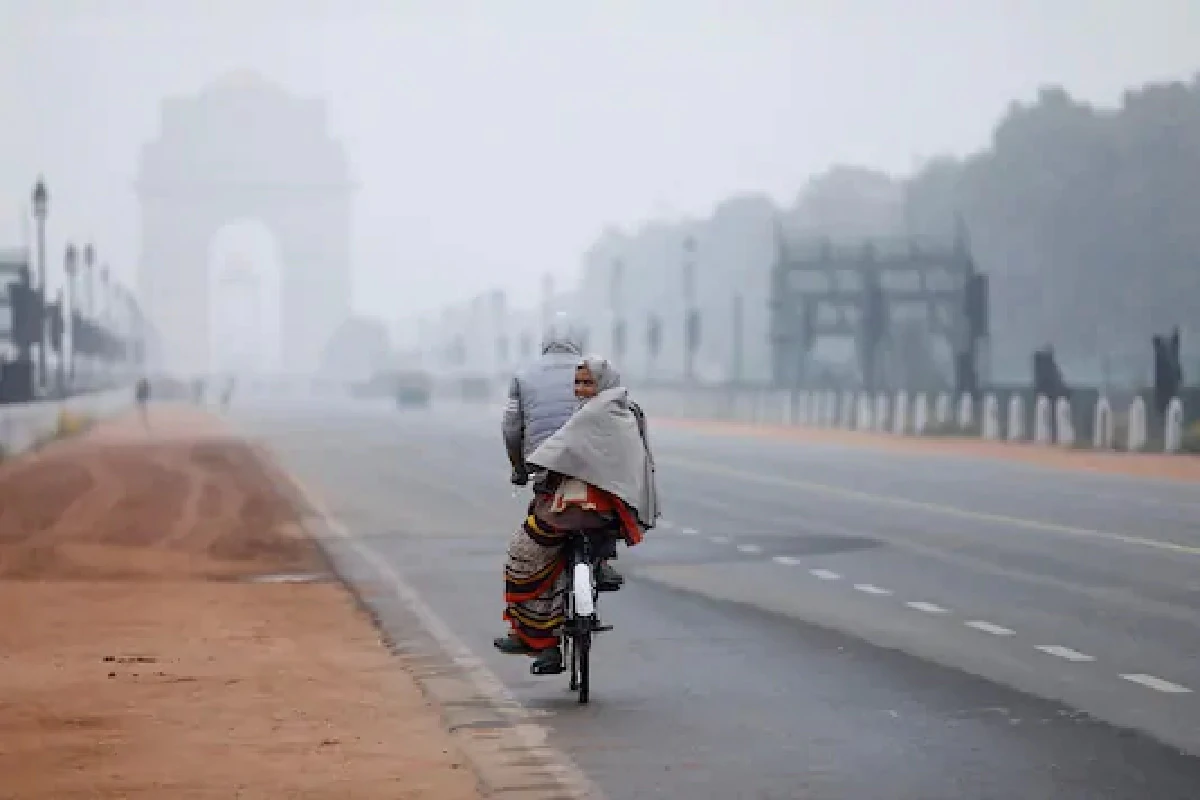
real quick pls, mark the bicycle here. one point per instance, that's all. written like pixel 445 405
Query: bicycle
pixel 581 622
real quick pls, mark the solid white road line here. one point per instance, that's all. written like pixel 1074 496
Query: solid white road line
pixel 824 574
pixel 1158 684
pixel 1064 652
pixel 869 588
pixel 988 627
pixel 787 561
pixel 928 608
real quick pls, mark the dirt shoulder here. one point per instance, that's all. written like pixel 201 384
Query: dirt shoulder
pixel 1143 465
pixel 138 659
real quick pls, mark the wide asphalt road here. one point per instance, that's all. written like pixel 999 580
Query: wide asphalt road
pixel 816 621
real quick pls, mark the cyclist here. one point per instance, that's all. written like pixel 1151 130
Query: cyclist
pixel 599 479
pixel 540 400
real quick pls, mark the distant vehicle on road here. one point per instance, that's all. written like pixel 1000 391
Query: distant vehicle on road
pixel 475 389
pixel 413 389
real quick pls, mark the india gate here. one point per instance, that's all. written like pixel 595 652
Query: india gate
pixel 244 149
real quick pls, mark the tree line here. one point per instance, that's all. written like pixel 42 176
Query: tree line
pixel 1087 220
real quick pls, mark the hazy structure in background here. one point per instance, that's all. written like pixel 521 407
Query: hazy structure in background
pixel 244 149
pixel 1083 220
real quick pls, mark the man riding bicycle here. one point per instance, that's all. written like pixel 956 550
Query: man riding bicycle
pixel 541 398
pixel 600 483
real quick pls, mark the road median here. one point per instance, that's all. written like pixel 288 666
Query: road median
pixel 171 631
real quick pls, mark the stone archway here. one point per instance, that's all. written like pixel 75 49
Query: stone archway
pixel 244 148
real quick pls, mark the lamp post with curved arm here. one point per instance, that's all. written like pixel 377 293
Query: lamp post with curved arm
pixel 41 209
pixel 71 268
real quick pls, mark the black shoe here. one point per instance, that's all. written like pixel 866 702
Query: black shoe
pixel 548 662
pixel 512 646
pixel 607 578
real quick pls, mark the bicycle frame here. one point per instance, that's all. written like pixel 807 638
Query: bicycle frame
pixel 581 622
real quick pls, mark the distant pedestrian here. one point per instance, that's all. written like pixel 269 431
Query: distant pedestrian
pixel 143 401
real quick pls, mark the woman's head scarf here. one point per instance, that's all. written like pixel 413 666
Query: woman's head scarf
pixel 603 372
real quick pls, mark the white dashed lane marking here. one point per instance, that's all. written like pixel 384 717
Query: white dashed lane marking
pixel 1157 684
pixel 987 627
pixel 1064 652
pixel 928 608
pixel 1058 651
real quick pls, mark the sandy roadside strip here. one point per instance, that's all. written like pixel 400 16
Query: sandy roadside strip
pixel 137 659
pixel 1142 465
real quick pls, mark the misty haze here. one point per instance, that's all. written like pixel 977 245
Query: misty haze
pixel 843 359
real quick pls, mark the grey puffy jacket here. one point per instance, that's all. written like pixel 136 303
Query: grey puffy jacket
pixel 541 398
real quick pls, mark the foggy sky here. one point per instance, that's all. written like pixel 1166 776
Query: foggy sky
pixel 492 141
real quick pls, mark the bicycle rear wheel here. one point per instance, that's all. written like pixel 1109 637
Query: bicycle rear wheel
pixel 581 664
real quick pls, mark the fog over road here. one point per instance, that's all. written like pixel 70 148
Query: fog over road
pixel 814 621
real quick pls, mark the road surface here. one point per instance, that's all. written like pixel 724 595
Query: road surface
pixel 812 621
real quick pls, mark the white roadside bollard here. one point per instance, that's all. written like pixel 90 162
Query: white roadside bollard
pixel 781 411
pixel 803 405
pixel 941 410
pixel 966 411
pixel 1136 434
pixel 920 413
pixel 1102 436
pixel 1066 423
pixel 900 414
pixel 991 417
pixel 847 411
pixel 881 412
pixel 1042 427
pixel 1016 417
pixel 1173 430
pixel 864 422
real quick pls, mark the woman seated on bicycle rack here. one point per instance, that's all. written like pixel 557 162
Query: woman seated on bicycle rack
pixel 601 481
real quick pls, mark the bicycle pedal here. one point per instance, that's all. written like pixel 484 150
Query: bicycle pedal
pixel 600 628
pixel 608 587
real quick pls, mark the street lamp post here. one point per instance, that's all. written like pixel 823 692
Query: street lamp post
pixel 71 267
pixel 102 316
pixel 41 208
pixel 615 297
pixel 738 355
pixel 691 318
pixel 89 303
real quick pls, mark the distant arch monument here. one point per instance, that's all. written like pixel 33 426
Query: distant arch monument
pixel 244 148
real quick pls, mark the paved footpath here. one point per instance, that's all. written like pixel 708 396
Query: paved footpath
pixel 142 656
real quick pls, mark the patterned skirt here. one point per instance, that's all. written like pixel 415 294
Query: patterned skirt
pixel 535 583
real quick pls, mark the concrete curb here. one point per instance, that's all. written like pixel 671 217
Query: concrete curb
pixel 507 749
